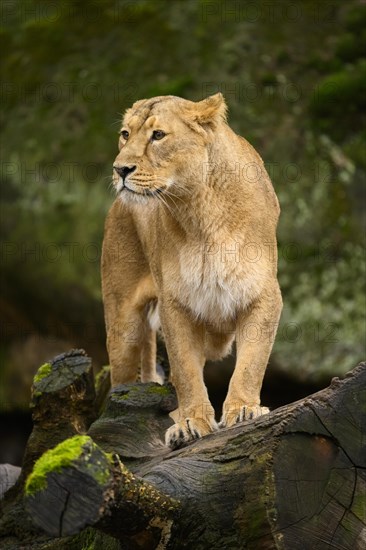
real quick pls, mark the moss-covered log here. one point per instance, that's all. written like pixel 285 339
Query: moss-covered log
pixel 63 405
pixel 294 479
pixel 134 421
pixel 76 484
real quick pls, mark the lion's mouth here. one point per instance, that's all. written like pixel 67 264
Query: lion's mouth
pixel 143 193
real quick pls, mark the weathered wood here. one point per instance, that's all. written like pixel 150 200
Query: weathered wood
pixel 102 387
pixel 65 494
pixel 134 421
pixel 62 404
pixel 294 479
pixel 8 476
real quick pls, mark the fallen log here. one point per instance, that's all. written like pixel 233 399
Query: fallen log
pixel 76 484
pixel 63 405
pixel 293 479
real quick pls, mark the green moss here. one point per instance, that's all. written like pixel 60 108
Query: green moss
pixel 85 540
pixel 92 540
pixel 123 397
pixel 126 395
pixel 43 371
pixel 162 390
pixel 99 470
pixel 99 377
pixel 60 457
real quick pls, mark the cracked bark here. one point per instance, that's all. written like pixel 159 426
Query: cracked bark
pixel 294 479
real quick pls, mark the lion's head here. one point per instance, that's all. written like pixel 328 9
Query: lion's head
pixel 164 144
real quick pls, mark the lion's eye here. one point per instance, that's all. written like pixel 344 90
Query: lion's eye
pixel 125 134
pixel 158 134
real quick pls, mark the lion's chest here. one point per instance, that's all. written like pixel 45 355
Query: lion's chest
pixel 214 283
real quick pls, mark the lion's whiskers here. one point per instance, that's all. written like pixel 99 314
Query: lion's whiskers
pixel 172 196
pixel 111 186
pixel 159 197
pixel 163 201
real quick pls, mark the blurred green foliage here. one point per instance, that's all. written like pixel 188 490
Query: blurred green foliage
pixel 293 77
pixel 338 106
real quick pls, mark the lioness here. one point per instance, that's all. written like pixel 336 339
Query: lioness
pixel 192 234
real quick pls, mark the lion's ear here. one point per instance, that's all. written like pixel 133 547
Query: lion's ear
pixel 210 110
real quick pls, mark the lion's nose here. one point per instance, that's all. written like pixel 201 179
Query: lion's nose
pixel 123 171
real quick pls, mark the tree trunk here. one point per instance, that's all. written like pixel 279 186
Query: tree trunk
pixel 63 405
pixel 293 479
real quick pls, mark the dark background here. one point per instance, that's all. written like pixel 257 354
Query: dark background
pixel 293 74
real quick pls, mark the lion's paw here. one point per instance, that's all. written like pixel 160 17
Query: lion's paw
pixel 245 412
pixel 188 430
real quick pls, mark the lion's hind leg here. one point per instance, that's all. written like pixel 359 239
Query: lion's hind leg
pixel 149 368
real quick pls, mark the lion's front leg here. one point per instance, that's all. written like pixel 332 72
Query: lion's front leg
pixel 127 287
pixel 195 416
pixel 255 333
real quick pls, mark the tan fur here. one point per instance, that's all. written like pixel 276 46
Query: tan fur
pixel 204 246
